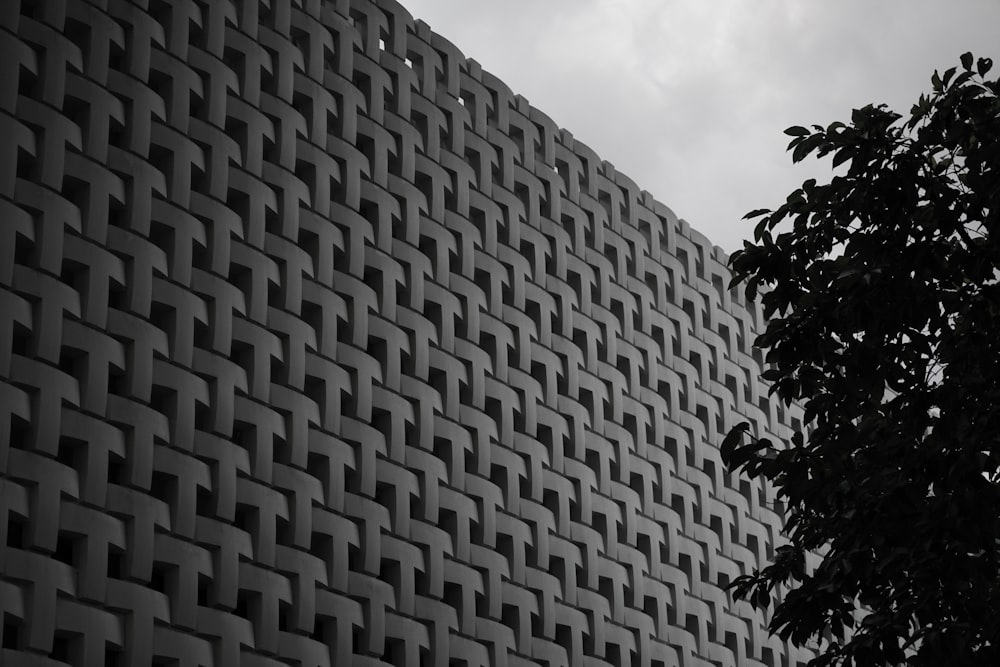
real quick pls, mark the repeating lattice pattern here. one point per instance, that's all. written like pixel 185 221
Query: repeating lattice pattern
pixel 318 346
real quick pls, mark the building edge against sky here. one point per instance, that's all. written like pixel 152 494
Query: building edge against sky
pixel 321 346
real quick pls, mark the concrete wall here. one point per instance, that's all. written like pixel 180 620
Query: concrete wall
pixel 319 346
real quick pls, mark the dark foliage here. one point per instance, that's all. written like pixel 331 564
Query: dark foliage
pixel 884 302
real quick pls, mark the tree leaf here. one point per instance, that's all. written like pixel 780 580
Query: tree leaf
pixel 842 156
pixel 756 213
pixel 733 438
pixel 950 72
pixel 936 82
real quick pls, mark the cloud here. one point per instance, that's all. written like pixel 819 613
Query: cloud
pixel 689 97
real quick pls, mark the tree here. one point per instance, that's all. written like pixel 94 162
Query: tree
pixel 884 307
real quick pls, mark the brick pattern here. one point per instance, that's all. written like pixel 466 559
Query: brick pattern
pixel 319 346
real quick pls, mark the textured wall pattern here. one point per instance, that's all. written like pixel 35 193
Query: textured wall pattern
pixel 318 346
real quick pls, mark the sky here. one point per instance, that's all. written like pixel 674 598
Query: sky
pixel 689 98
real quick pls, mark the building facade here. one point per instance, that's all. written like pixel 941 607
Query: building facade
pixel 319 346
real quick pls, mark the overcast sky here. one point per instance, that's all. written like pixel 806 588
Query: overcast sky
pixel 689 98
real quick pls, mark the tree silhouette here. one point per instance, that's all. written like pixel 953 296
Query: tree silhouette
pixel 884 307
